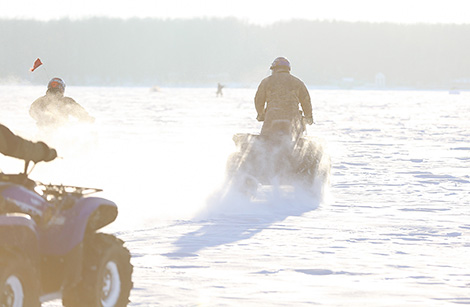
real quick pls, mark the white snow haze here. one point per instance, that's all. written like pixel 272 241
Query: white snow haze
pixel 391 229
pixel 387 225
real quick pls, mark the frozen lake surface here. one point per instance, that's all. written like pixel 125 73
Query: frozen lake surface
pixel 393 228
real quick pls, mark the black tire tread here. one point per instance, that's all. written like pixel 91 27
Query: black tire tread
pixel 86 292
pixel 26 272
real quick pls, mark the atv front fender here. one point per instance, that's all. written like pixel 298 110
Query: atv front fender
pixel 67 230
pixel 18 233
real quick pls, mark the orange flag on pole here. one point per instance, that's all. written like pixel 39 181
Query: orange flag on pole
pixel 37 63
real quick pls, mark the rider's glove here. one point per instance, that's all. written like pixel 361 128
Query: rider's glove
pixel 49 154
pixel 52 154
pixel 260 117
pixel 309 120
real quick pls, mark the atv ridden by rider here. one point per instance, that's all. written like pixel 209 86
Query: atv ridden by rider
pixel 281 154
pixel 286 156
pixel 50 246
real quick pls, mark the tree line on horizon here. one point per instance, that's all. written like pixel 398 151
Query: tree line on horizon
pixel 199 52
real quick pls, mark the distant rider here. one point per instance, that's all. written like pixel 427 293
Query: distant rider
pixel 278 98
pixel 54 108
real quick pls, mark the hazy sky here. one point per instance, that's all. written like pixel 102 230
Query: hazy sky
pixel 256 11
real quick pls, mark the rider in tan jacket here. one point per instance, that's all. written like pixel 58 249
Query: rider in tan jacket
pixel 278 98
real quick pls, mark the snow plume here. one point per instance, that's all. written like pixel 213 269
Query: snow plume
pixel 231 215
pixel 245 192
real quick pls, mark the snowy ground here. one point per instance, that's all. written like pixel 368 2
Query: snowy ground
pixel 394 229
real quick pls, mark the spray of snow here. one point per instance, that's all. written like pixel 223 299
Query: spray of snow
pixel 275 199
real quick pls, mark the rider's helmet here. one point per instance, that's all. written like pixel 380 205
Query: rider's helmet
pixel 56 85
pixel 280 63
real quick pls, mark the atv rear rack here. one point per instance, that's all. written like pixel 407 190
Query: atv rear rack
pixel 57 190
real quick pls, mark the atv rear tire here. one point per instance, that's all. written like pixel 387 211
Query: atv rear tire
pixel 107 274
pixel 18 282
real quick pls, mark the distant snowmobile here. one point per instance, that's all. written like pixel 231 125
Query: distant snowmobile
pixel 285 157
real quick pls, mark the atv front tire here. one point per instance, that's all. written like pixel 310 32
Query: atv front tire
pixel 107 274
pixel 18 282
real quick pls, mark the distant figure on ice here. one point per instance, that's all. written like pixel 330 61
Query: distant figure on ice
pixel 54 109
pixel 278 97
pixel 155 89
pixel 219 89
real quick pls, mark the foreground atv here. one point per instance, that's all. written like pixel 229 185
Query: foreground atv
pixel 52 249
pixel 280 158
